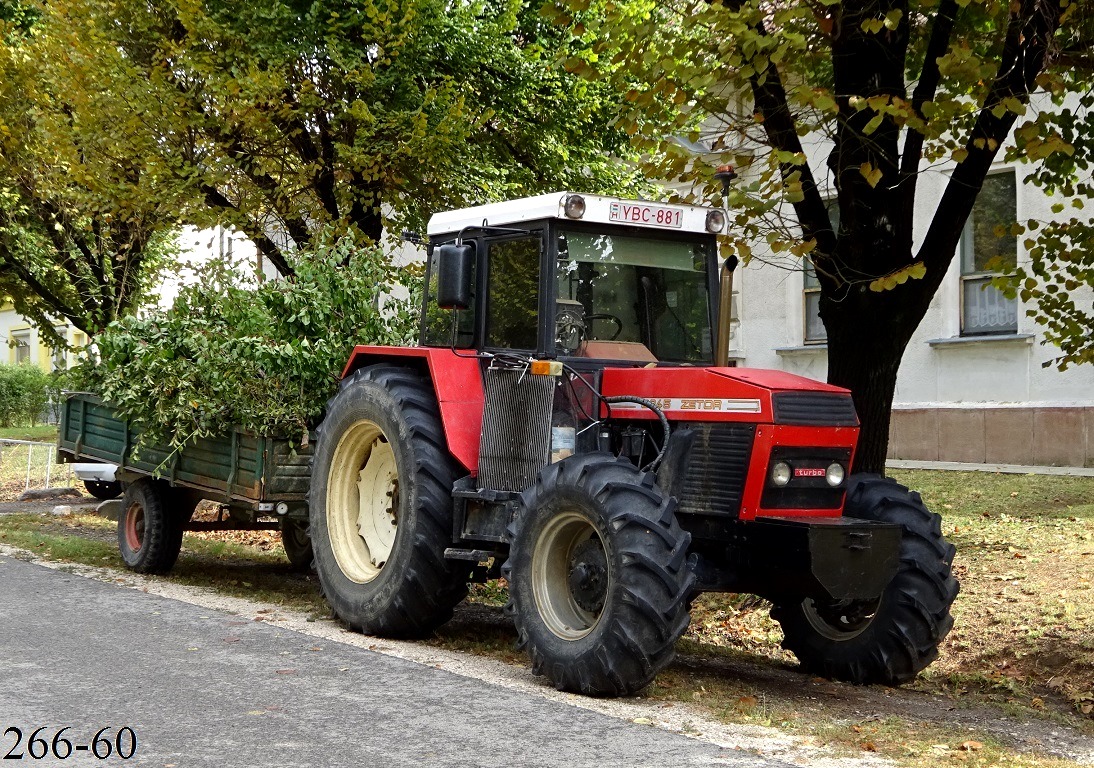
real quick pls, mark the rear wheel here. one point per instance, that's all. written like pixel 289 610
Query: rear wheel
pixel 598 576
pixel 149 530
pixel 888 640
pixel 297 544
pixel 381 506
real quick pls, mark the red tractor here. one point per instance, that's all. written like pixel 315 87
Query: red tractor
pixel 569 421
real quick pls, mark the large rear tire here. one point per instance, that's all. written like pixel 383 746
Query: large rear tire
pixel 381 506
pixel 890 640
pixel 149 529
pixel 598 577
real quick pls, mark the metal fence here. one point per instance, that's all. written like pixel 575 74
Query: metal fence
pixel 27 466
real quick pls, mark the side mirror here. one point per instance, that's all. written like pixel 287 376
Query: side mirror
pixel 455 267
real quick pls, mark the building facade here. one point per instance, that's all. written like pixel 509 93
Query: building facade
pixel 977 383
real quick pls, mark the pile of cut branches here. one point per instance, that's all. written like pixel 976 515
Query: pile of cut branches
pixel 265 357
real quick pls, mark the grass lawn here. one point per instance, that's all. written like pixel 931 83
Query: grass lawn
pixel 1023 641
pixel 43 433
pixel 14 464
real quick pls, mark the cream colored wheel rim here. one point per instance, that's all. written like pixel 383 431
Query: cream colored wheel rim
pixel 570 575
pixel 362 501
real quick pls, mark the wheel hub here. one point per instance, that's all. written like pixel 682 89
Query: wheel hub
pixel 571 577
pixel 589 575
pixel 378 486
pixel 134 527
pixel 362 508
pixel 840 619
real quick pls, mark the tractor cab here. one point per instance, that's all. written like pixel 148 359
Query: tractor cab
pixel 575 277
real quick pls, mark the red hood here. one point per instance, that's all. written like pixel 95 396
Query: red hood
pixel 701 394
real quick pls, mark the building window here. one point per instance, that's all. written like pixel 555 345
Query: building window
pixel 20 343
pixel 815 332
pixel 989 249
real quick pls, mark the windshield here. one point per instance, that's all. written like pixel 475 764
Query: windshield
pixel 627 297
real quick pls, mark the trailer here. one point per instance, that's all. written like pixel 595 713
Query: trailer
pixel 261 483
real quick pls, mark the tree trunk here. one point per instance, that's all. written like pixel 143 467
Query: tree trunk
pixel 868 367
pixel 868 332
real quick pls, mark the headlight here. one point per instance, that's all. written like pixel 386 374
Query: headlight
pixel 716 221
pixel 574 207
pixel 834 474
pixel 780 473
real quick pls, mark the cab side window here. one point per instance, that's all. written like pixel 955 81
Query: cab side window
pixel 513 293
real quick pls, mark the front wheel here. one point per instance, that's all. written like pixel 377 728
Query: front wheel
pixel 104 490
pixel 150 529
pixel 598 576
pixel 888 640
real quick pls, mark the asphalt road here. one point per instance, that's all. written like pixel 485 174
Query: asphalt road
pixel 199 688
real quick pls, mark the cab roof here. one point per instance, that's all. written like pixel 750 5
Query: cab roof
pixel 598 210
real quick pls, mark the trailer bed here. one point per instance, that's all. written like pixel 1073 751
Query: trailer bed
pixel 239 467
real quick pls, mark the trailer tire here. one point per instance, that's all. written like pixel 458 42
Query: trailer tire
pixel 103 490
pixel 381 506
pixel 149 529
pixel 296 542
pixel 890 640
pixel 598 575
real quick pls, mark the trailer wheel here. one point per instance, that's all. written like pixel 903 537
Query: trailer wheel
pixel 598 579
pixel 891 639
pixel 297 544
pixel 103 490
pixel 381 506
pixel 149 530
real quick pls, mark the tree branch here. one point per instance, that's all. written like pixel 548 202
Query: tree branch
pixel 1025 50
pixel 941 31
pixel 771 101
pixel 253 230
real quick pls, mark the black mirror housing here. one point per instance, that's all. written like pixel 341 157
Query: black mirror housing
pixel 455 267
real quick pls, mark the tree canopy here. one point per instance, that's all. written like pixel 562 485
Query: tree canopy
pixel 282 118
pixel 83 216
pixel 885 90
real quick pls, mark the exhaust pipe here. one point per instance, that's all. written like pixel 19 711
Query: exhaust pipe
pixel 725 175
pixel 725 312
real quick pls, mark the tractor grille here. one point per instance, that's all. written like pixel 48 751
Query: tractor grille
pixel 814 409
pixel 706 467
pixel 516 428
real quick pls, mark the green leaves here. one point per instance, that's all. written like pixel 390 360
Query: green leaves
pixel 372 116
pixel 264 358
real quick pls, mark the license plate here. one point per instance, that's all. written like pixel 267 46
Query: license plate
pixel 646 215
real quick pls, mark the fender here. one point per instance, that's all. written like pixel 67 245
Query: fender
pixel 457 382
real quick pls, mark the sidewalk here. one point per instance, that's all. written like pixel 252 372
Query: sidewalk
pixel 1007 469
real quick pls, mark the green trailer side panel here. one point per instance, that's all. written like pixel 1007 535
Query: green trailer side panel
pixel 236 466
pixel 292 469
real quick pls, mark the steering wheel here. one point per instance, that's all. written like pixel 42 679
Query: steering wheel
pixel 607 316
pixel 569 326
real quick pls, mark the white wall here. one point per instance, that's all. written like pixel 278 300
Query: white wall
pixel 197 247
